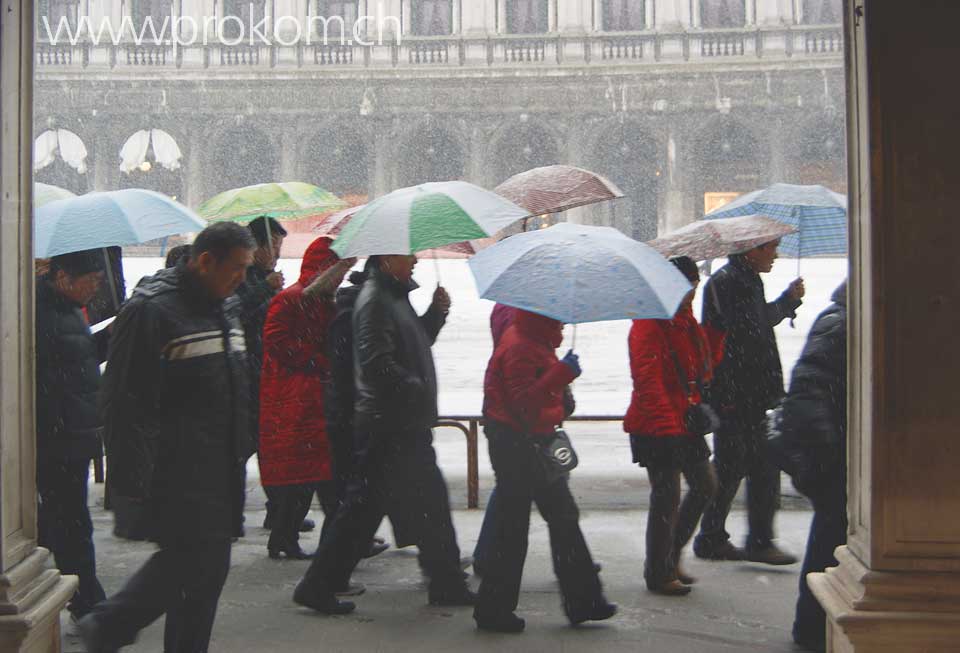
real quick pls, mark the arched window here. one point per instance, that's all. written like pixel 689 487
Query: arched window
pixel 155 10
pixel 56 12
pixel 723 13
pixel 248 12
pixel 822 12
pixel 527 17
pixel 432 154
pixel 431 17
pixel 624 15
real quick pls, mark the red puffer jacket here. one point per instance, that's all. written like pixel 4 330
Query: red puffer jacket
pixel 523 386
pixel 293 434
pixel 659 400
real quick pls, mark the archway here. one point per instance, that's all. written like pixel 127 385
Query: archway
pixel 431 153
pixel 818 155
pixel 242 156
pixel 628 156
pixel 339 161
pixel 150 159
pixel 729 160
pixel 521 147
pixel 60 158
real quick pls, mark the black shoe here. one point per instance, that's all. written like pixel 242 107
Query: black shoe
pixel 290 552
pixel 599 611
pixel 725 551
pixel 89 632
pixel 452 597
pixel 502 623
pixel 376 548
pixel 771 555
pixel 325 603
pixel 307 525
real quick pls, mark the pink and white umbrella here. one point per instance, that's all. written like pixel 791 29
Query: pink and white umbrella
pixel 552 189
pixel 708 239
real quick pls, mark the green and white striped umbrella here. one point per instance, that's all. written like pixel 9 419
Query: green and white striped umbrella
pixel 423 217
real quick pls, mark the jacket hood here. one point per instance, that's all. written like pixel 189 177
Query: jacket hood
pixel 839 295
pixel 539 327
pixel 318 258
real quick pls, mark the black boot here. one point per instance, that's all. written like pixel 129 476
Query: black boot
pixel 598 610
pixel 506 622
pixel 321 601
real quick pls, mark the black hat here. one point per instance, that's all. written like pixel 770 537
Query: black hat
pixel 77 264
pixel 688 267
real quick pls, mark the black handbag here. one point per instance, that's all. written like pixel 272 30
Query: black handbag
pixel 700 418
pixel 557 456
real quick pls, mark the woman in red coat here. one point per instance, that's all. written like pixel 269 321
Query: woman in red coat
pixel 669 361
pixel 294 452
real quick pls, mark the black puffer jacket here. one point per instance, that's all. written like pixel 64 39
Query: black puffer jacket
pixel 749 379
pixel 394 374
pixel 339 395
pixel 255 295
pixel 814 416
pixel 175 400
pixel 68 379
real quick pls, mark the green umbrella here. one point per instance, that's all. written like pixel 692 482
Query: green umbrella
pixel 423 217
pixel 45 193
pixel 284 201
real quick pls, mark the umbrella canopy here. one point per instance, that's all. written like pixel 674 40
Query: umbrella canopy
pixel 423 217
pixel 707 239
pixel 45 193
pixel 284 201
pixel 574 274
pixel 552 189
pixel 122 217
pixel 333 224
pixel 819 214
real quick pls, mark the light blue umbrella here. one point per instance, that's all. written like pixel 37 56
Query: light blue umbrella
pixel 818 213
pixel 122 217
pixel 575 273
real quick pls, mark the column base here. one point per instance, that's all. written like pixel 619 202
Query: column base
pixel 31 599
pixel 887 612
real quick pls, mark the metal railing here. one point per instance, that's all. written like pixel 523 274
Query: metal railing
pixel 469 425
pixel 491 51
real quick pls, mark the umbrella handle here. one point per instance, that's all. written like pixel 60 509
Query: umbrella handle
pixel 436 267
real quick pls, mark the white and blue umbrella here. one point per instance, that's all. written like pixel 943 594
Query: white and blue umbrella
pixel 122 217
pixel 575 274
pixel 818 213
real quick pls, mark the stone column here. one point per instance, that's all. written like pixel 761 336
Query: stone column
pixel 479 17
pixel 31 596
pixel 677 204
pixel 673 15
pixel 897 588
pixel 575 16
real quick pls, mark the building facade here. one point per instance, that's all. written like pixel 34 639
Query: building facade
pixel 681 102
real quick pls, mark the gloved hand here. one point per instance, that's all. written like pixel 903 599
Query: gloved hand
pixel 572 361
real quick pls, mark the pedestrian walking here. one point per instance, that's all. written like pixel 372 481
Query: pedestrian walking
pixel 523 405
pixel 671 362
pixel 294 453
pixel 747 382
pixel 175 403
pixel 395 409
pixel 68 425
pixel 814 437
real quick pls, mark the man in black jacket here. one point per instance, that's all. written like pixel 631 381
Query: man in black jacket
pixel 747 382
pixel 395 408
pixel 174 401
pixel 814 427
pixel 68 426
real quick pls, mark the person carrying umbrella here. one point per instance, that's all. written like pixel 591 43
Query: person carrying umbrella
pixel 523 405
pixel 670 362
pixel 68 425
pixel 747 382
pixel 294 452
pixel 395 409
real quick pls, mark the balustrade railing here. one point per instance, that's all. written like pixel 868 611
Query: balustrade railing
pixel 448 51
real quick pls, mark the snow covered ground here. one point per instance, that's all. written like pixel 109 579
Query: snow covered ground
pixel 604 389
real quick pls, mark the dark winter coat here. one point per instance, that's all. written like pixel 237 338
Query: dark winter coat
pixel 814 415
pixel 524 384
pixel 68 379
pixel 749 379
pixel 255 295
pixel 293 446
pixel 394 375
pixel 338 401
pixel 660 397
pixel 175 404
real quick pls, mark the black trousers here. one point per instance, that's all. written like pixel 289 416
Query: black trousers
pixel 66 529
pixel 828 530
pixel 520 483
pixel 738 452
pixel 404 483
pixel 293 504
pixel 182 580
pixel 670 522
